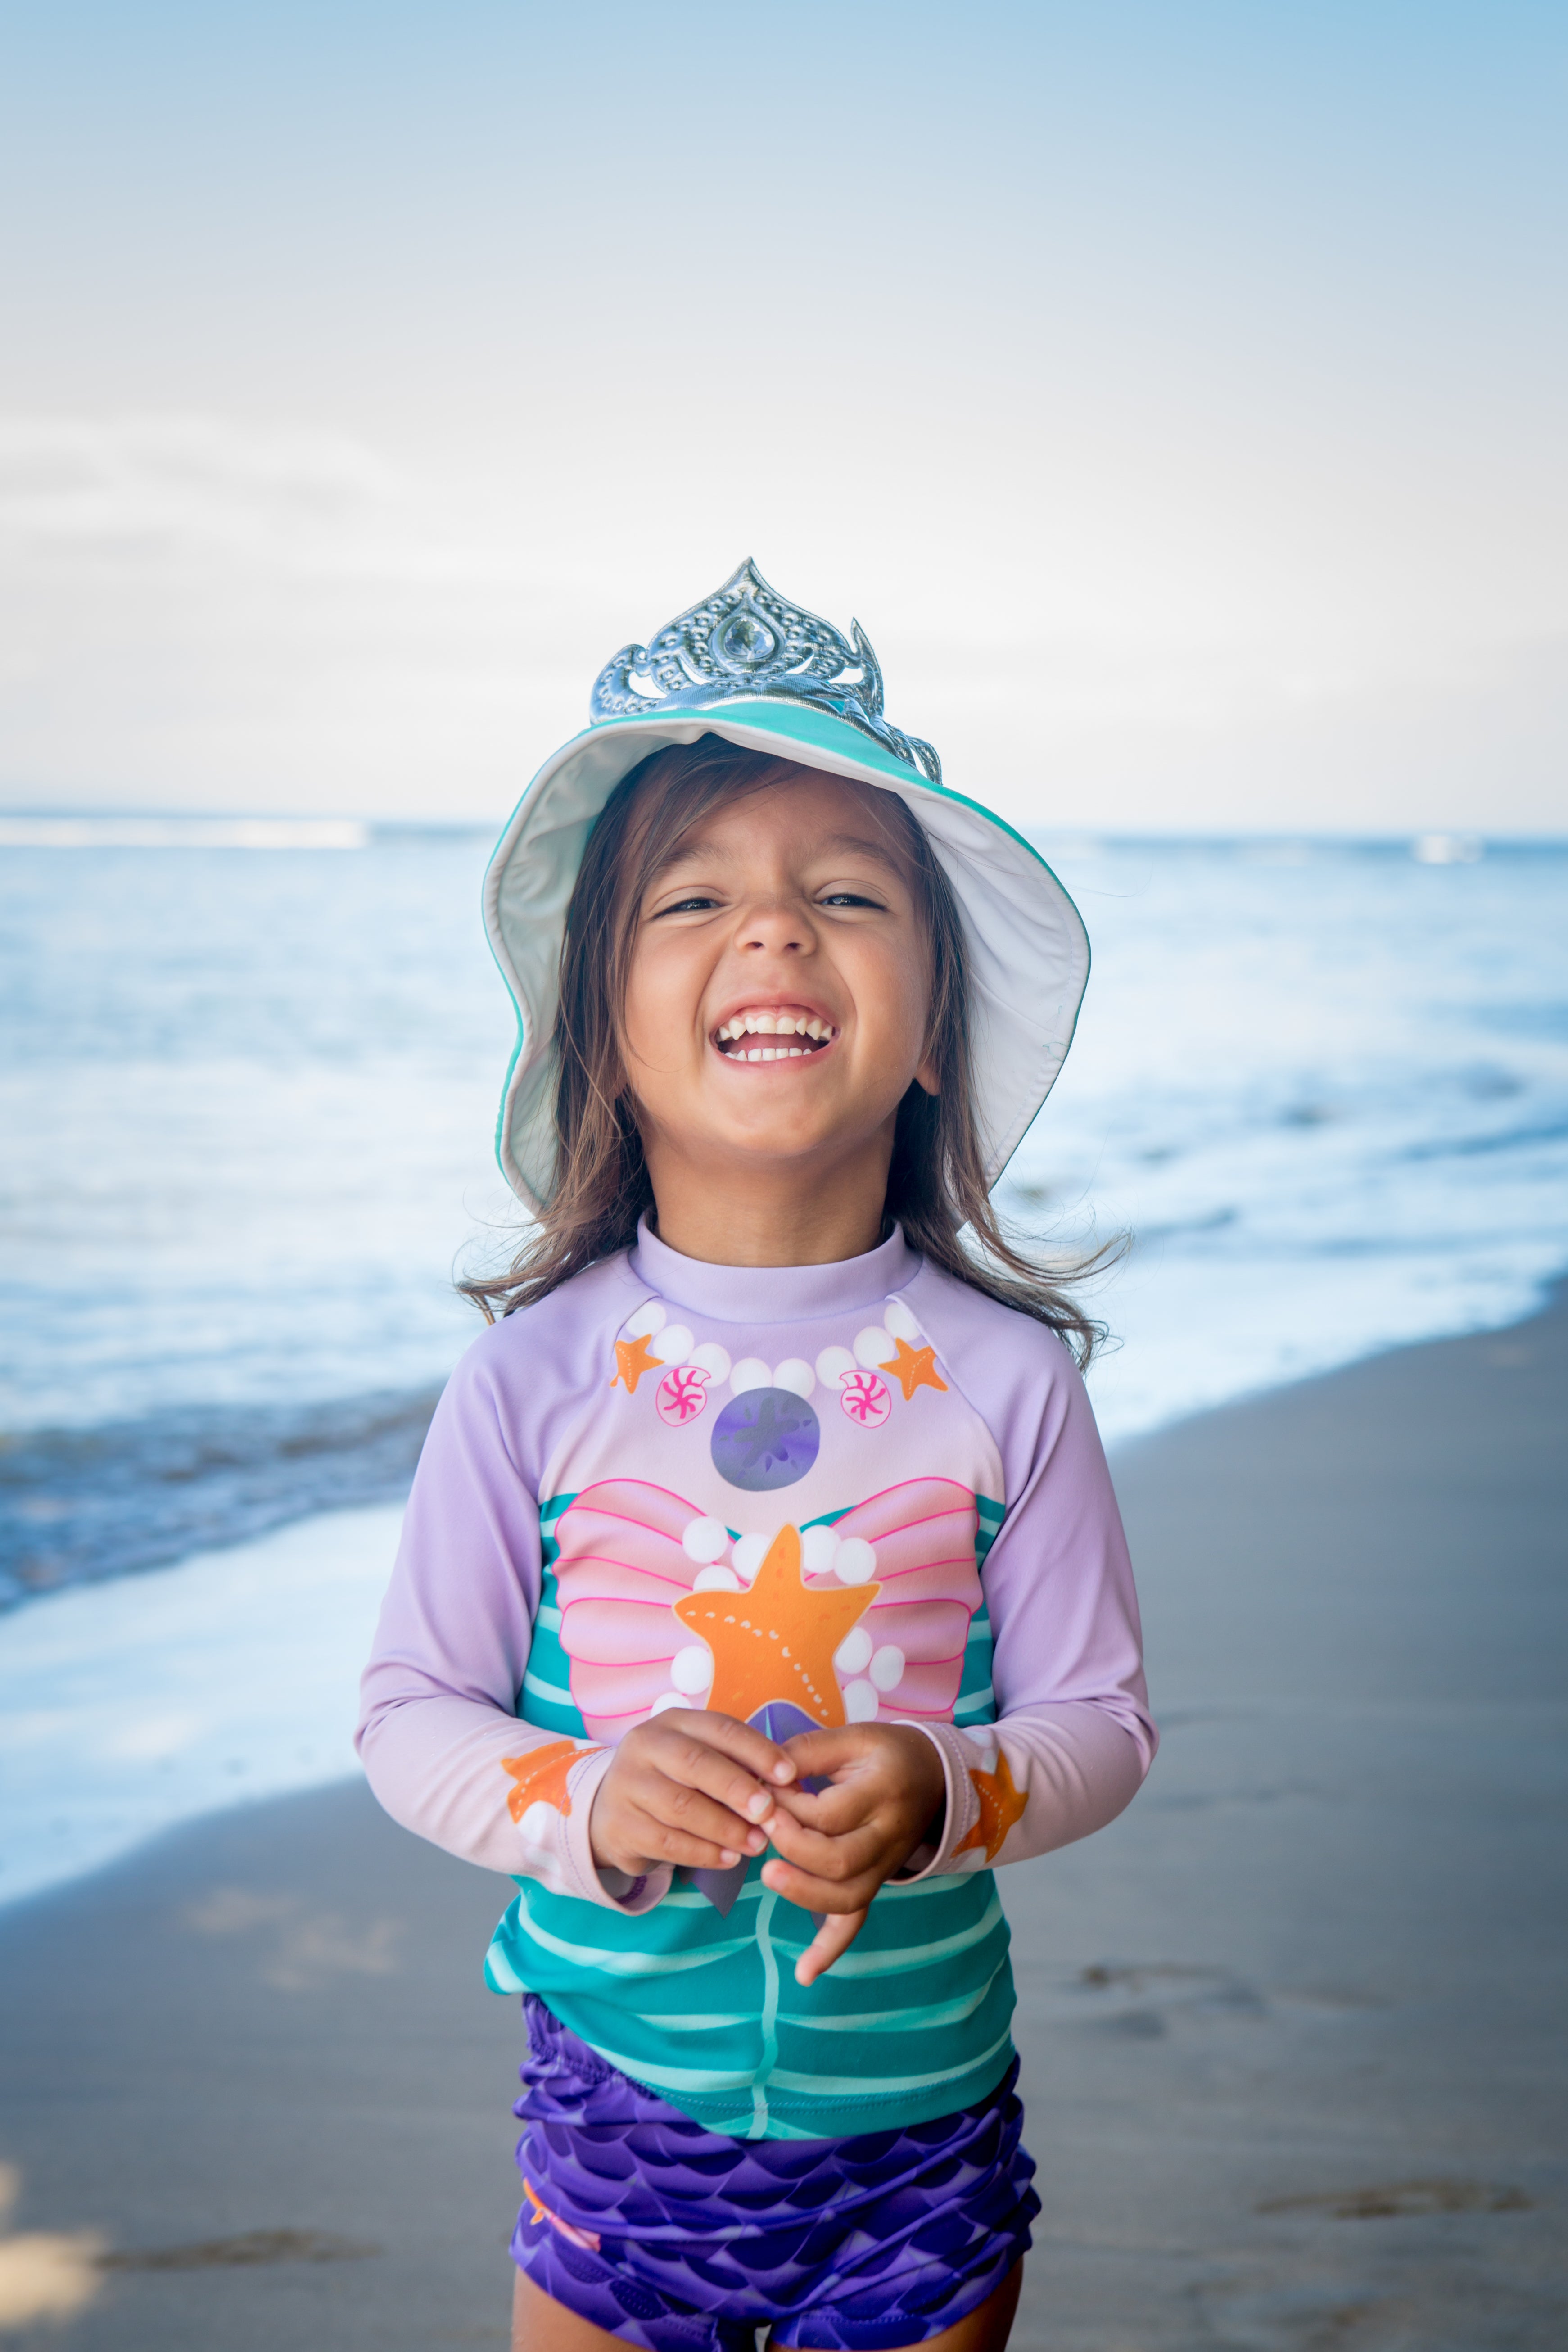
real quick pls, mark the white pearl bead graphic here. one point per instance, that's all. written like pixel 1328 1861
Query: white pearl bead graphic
pixel 749 1554
pixel 855 1563
pixel 818 1549
pixel 718 1578
pixel 887 1668
pixel 691 1669
pixel 853 1654
pixel 874 1346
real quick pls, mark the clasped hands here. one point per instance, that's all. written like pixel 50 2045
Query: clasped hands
pixel 699 1789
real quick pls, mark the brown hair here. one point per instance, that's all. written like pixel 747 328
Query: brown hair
pixel 936 1181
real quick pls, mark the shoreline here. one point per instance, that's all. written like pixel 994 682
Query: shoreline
pixel 211 1617
pixel 1293 2038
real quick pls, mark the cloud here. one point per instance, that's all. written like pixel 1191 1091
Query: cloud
pixel 200 614
pixel 197 615
pixel 190 490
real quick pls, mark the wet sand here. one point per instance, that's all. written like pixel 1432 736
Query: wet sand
pixel 1294 2029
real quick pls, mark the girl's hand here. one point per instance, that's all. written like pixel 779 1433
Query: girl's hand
pixel 837 1848
pixel 686 1787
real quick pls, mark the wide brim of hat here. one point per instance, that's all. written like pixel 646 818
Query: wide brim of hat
pixel 1029 951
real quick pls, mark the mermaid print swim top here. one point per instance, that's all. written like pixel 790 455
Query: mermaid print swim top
pixel 798 1496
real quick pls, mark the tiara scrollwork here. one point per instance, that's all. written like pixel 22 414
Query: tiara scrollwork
pixel 748 640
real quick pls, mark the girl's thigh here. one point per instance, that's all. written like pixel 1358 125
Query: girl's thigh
pixel 539 2324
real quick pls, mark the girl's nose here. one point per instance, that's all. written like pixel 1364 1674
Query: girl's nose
pixel 776 927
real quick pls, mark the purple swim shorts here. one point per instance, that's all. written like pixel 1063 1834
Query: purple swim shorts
pixel 683 2239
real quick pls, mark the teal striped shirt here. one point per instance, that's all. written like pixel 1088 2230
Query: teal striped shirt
pixel 911 2022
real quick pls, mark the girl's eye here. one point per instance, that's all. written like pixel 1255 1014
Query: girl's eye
pixel 849 898
pixel 699 904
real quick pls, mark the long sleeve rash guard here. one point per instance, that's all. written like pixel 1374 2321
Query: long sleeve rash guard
pixel 797 1495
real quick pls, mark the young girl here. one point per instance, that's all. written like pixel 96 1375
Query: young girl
pixel 762 1585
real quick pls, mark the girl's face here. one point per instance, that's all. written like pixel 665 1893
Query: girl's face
pixel 778 992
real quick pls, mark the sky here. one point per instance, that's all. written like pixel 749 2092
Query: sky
pixel 1174 393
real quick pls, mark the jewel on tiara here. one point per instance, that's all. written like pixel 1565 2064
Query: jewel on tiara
pixel 745 639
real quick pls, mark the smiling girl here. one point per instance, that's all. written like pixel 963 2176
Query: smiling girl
pixel 762 1586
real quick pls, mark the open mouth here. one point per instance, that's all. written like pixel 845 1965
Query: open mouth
pixel 774 1036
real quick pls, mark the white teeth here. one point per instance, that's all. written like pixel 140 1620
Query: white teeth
pixel 755 1054
pixel 773 1024
pixel 797 1053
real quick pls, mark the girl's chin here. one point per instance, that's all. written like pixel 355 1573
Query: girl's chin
pixel 726 1138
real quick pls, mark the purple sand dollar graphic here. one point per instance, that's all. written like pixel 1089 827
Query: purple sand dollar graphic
pixel 765 1438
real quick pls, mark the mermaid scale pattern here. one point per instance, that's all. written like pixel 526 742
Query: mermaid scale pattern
pixel 866 2243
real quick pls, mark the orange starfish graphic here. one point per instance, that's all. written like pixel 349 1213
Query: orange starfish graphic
pixel 633 1358
pixel 914 1368
pixel 776 1641
pixel 541 1776
pixel 1000 1806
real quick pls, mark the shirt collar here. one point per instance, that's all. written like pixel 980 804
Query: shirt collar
pixel 772 1294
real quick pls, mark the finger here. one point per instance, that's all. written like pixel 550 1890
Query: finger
pixel 684 1753
pixel 835 1858
pixel 649 1846
pixel 835 1809
pixel 812 1894
pixel 657 1842
pixel 676 1806
pixel 829 1751
pixel 765 1757
pixel 832 1940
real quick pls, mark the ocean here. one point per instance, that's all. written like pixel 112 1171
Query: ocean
pixel 248 1077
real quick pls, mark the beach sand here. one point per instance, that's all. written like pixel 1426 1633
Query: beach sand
pixel 1294 2029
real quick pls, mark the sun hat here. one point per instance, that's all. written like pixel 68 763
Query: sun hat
pixel 748 665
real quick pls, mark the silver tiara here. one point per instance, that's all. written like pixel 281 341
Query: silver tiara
pixel 745 639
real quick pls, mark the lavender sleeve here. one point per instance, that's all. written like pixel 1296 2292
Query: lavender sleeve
pixel 439 1735
pixel 1074 1736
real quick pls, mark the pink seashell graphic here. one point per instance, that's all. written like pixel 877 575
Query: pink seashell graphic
pixel 621 1565
pixel 923 1536
pixel 864 1397
pixel 683 1394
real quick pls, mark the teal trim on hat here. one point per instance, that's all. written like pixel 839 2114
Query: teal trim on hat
pixel 1027 948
